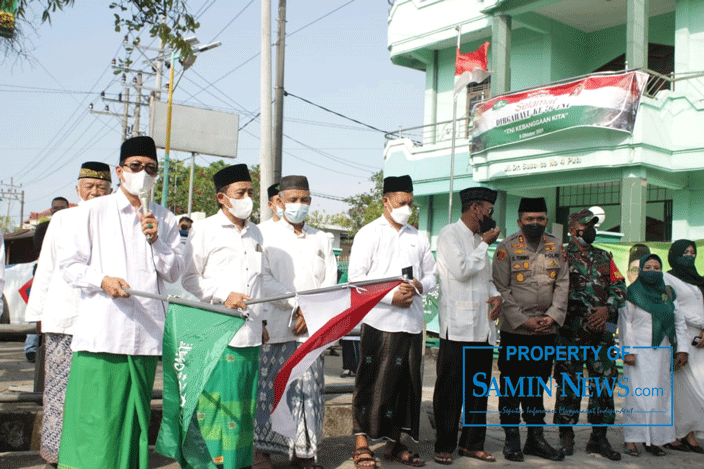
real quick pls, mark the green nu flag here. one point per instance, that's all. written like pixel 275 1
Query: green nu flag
pixel 194 340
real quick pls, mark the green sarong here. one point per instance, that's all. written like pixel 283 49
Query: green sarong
pixel 107 412
pixel 225 411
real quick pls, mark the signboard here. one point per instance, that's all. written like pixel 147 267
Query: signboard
pixel 607 101
pixel 195 129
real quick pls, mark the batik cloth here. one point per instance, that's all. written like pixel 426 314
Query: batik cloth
pixel 305 399
pixel 57 365
pixel 107 412
pixel 225 411
pixel 388 387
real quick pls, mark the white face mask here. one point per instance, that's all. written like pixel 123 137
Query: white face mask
pixel 401 215
pixel 296 213
pixel 138 182
pixel 241 208
pixel 279 212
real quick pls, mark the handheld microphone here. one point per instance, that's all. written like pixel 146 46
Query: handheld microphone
pixel 144 196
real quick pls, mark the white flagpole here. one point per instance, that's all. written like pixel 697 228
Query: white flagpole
pixel 452 151
pixel 233 312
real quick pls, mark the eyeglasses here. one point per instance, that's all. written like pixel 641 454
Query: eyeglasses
pixel 491 210
pixel 150 168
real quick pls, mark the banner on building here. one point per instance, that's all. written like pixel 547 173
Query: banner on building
pixel 607 101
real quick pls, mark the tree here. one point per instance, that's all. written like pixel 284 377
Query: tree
pixel 203 189
pixel 6 224
pixel 169 20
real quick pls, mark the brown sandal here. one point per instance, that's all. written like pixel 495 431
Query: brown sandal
pixel 362 455
pixel 443 458
pixel 481 455
pixel 398 450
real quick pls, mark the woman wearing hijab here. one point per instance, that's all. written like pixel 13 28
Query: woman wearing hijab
pixel 688 397
pixel 648 321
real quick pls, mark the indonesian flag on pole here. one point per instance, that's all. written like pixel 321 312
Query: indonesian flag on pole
pixel 329 316
pixel 471 67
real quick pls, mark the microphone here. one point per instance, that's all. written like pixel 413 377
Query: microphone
pixel 144 196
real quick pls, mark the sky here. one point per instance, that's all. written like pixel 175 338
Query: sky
pixel 341 62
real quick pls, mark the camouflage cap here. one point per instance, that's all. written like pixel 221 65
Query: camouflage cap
pixel 585 217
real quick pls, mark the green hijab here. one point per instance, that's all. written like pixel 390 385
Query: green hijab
pixel 686 273
pixel 658 301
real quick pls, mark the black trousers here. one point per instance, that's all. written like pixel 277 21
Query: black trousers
pixel 447 398
pixel 513 369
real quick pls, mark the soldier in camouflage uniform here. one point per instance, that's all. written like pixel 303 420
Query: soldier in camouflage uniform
pixel 597 291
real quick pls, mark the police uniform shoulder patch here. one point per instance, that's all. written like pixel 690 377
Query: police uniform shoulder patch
pixel 500 254
pixel 520 277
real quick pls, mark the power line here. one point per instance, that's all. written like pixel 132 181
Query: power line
pixel 286 93
pixel 287 35
pixel 231 21
pixel 33 163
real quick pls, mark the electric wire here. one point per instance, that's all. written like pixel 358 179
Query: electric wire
pixel 231 21
pixel 287 93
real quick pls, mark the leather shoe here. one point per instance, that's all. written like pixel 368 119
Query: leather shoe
pixel 537 446
pixel 513 454
pixel 602 447
pixel 567 440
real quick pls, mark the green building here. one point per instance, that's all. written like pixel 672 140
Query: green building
pixel 650 182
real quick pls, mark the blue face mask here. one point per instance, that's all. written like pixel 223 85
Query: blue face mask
pixel 296 213
pixel 650 277
pixel 183 233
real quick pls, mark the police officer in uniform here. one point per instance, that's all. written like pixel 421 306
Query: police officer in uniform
pixel 597 291
pixel 530 271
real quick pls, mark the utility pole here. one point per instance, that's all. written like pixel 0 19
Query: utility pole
pixel 190 184
pixel 266 163
pixel 138 85
pixel 10 192
pixel 126 114
pixel 279 92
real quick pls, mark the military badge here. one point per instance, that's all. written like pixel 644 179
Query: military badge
pixel 520 239
pixel 614 272
pixel 517 246
pixel 550 248
pixel 526 265
pixel 549 244
pixel 520 277
pixel 517 266
pixel 519 251
pixel 553 274
pixel 500 254
pixel 553 263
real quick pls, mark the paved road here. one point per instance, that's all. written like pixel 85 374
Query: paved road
pixel 335 451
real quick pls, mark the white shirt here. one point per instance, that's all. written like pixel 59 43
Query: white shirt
pixel 267 225
pixel 295 263
pixel 690 303
pixel 465 285
pixel 220 259
pixel 109 242
pixel 379 251
pixel 636 329
pixel 53 301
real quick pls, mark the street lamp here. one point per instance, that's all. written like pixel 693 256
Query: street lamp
pixel 167 146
